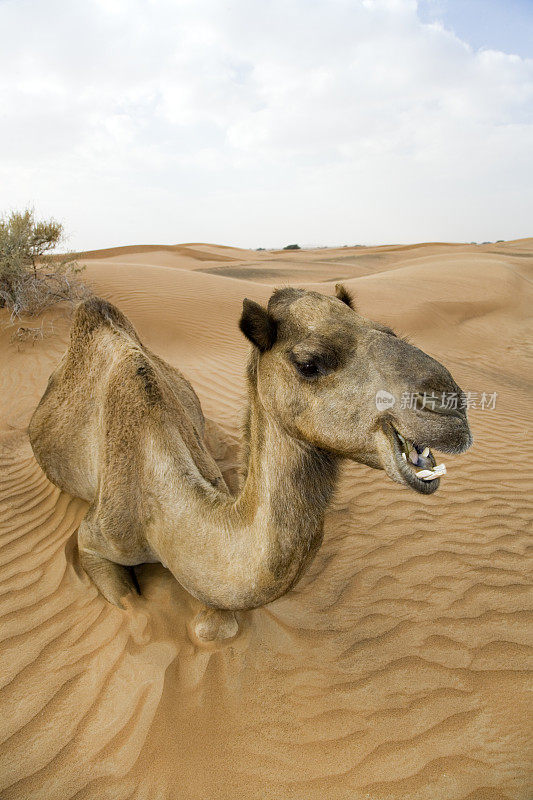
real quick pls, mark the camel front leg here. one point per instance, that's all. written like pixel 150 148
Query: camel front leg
pixel 212 624
pixel 113 581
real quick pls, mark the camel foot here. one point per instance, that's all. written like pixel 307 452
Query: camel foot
pixel 112 580
pixel 213 623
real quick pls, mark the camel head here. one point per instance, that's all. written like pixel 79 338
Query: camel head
pixel 339 381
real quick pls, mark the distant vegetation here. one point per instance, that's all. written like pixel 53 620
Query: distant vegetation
pixel 32 278
pixel 292 247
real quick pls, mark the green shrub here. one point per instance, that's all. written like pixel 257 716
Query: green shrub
pixel 292 247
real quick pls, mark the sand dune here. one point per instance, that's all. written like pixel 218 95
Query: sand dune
pixel 396 670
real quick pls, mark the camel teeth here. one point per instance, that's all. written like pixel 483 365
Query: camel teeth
pixel 425 452
pixel 431 474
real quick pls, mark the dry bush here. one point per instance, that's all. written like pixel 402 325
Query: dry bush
pixel 33 279
pixel 25 334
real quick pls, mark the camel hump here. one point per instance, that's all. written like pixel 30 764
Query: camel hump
pixel 95 313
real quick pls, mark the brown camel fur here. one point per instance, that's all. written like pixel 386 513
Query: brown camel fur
pixel 122 429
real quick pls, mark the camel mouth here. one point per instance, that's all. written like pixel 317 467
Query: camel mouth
pixel 412 463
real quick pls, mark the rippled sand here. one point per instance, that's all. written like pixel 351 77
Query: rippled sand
pixel 396 670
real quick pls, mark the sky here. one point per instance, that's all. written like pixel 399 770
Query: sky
pixel 260 123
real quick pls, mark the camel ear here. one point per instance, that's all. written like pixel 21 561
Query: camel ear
pixel 257 325
pixel 344 295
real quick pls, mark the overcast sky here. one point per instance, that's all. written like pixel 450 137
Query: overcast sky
pixel 266 122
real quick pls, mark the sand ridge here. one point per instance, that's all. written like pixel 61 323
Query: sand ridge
pixel 396 670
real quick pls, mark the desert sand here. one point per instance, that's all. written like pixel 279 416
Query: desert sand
pixel 395 670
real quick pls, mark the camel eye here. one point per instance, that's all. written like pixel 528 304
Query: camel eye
pixel 309 369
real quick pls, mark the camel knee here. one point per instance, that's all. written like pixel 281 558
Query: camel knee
pixel 213 623
pixel 113 581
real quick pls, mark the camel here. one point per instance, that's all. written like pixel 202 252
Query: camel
pixel 124 430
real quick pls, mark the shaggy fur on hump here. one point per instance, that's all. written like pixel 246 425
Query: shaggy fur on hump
pixel 344 295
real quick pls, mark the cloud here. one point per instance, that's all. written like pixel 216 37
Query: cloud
pixel 253 123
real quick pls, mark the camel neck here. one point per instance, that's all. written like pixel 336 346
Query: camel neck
pixel 287 488
pixel 289 479
pixel 243 552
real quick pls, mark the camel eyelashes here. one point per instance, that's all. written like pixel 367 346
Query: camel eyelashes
pixel 314 365
pixel 257 325
pixel 309 369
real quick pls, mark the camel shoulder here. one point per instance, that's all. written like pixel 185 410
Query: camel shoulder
pixel 135 384
pixel 143 383
pixel 150 407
